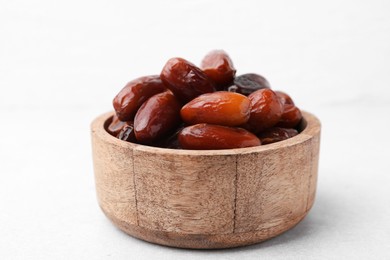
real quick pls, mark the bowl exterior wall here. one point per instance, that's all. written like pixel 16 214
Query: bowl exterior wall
pixel 206 199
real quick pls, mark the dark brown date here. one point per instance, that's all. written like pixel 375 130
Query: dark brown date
pixel 157 117
pixel 248 83
pixel 284 98
pixel 266 110
pixel 276 134
pixel 185 80
pixel 212 137
pixel 115 126
pixel 291 116
pixel 218 66
pixel 134 94
pixel 220 108
pixel 127 133
pixel 172 141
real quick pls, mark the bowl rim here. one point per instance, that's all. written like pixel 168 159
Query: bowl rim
pixel 312 127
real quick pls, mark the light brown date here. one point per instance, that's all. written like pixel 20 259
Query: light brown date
pixel 213 137
pixel 220 108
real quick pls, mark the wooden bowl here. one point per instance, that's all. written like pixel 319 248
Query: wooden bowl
pixel 209 198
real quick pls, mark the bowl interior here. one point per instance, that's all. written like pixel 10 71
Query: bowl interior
pixel 300 128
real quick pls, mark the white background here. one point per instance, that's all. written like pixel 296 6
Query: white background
pixel 62 62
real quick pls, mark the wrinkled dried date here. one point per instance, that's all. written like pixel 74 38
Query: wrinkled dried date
pixel 291 116
pixel 248 83
pixel 218 66
pixel 158 116
pixel 265 112
pixel 127 133
pixel 185 80
pixel 276 134
pixel 209 137
pixel 220 108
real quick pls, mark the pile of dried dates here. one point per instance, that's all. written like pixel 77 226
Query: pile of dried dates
pixel 187 107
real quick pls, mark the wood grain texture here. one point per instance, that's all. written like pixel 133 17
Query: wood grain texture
pixel 202 241
pixel 114 181
pixel 273 190
pixel 181 193
pixel 206 199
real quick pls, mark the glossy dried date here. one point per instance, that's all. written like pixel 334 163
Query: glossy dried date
pixel 276 134
pixel 210 137
pixel 158 116
pixel 291 116
pixel 115 126
pixel 218 66
pixel 220 108
pixel 265 112
pixel 284 98
pixel 134 94
pixel 248 83
pixel 185 80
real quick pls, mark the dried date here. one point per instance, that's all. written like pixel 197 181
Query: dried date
pixel 213 137
pixel 218 66
pixel 157 117
pixel 185 80
pixel 276 134
pixel 248 83
pixel 265 112
pixel 134 94
pixel 220 108
pixel 291 116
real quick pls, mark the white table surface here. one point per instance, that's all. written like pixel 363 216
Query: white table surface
pixel 61 63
